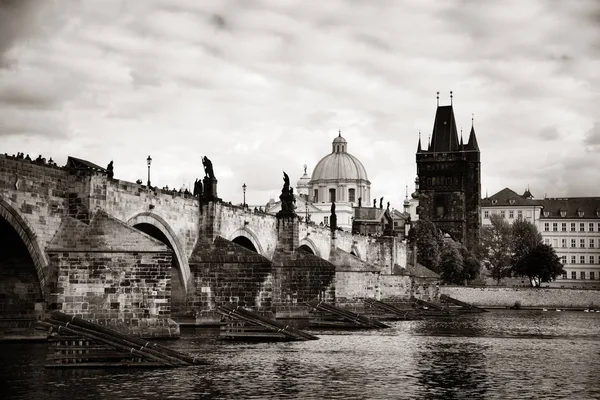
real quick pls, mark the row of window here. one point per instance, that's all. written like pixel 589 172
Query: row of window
pixel 563 227
pixel 332 195
pixel 573 243
pixel 511 214
pixel 592 259
pixel 582 275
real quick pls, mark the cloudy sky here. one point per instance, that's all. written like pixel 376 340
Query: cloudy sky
pixel 263 86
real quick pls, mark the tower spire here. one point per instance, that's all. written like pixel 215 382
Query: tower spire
pixel 451 97
pixel 419 145
pixel 438 99
pixel 461 139
pixel 472 144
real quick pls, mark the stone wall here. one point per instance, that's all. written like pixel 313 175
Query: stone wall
pixel 527 297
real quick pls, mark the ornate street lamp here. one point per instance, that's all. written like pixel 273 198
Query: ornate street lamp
pixel 149 161
pixel 244 190
pixel 306 207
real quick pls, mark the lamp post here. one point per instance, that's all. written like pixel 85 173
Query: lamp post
pixel 306 208
pixel 244 190
pixel 149 161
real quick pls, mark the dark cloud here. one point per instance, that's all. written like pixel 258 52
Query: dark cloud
pixel 373 41
pixel 592 138
pixel 219 21
pixel 549 133
pixel 14 16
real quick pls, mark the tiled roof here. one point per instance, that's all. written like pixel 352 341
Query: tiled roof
pixel 444 137
pixel 78 163
pixel 590 206
pixel 507 197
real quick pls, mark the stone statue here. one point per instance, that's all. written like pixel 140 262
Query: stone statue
pixel 374 203
pixel 208 168
pixel 333 218
pixel 109 169
pixel 359 202
pixel 381 202
pixel 286 183
pixel 287 195
pixel 197 188
pixel 388 205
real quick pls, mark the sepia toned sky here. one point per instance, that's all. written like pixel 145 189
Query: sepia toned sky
pixel 263 86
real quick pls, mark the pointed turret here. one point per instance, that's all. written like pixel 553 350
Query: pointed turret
pixel 445 136
pixel 472 145
pixel 419 145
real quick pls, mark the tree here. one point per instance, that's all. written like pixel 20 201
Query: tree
pixel 471 265
pixel 451 262
pixel 495 246
pixel 541 264
pixel 428 240
pixel 525 238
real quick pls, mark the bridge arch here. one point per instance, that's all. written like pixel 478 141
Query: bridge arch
pixel 27 234
pixel 309 246
pixel 159 223
pixel 248 235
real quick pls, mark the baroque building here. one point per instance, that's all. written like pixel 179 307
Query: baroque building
pixel 449 179
pixel 338 177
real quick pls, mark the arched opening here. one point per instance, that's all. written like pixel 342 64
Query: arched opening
pixel 245 242
pixel 307 249
pixel 21 294
pixel 177 284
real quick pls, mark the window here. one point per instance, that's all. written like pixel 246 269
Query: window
pixel 572 226
pixel 326 220
pixel 564 276
pixel 486 214
pixel 554 242
pixel 573 275
pixel 546 226
pixel 351 195
pixel 582 227
pixel 555 227
pixel 592 260
pixel 503 214
pixel 440 205
pixel 573 259
pixel 563 260
pixel 547 241
pixel 520 214
pixel 591 227
pixel 581 259
pixel 316 195
pixel 582 275
pixel 592 275
pixel 573 243
pixel 592 243
pixel 564 227
pixel 563 243
pixel 581 242
pixel 332 197
pixel 511 214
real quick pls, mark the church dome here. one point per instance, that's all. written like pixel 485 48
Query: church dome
pixel 339 165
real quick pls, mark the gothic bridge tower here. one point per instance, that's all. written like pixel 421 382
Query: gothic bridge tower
pixel 449 174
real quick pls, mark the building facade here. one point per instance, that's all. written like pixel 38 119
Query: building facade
pixel 570 225
pixel 449 180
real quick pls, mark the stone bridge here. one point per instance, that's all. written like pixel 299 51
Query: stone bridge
pixel 77 240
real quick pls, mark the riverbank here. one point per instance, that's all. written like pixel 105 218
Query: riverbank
pixel 505 297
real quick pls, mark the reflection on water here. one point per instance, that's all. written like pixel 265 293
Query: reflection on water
pixel 496 355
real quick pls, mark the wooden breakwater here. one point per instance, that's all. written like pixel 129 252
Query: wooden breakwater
pixel 75 342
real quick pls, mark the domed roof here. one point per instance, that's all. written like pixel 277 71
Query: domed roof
pixel 339 164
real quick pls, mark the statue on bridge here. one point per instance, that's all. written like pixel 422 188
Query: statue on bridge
pixel 208 168
pixel 359 202
pixel 333 218
pixel 197 188
pixel 287 196
pixel 381 202
pixel 109 170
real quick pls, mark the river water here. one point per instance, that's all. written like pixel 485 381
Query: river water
pixel 496 355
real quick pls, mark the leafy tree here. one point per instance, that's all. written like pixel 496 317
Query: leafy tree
pixel 471 265
pixel 525 238
pixel 495 247
pixel 451 262
pixel 428 240
pixel 541 264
